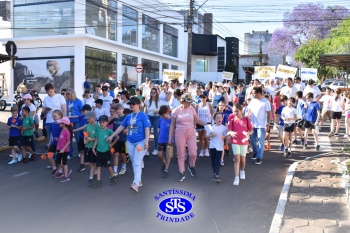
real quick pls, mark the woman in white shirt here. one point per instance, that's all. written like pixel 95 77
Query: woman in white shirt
pixel 89 99
pixel 165 95
pixel 337 108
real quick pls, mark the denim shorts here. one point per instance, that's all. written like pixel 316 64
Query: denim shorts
pixel 239 149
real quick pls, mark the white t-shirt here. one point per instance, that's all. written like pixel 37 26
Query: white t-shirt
pixel 152 109
pixel 299 86
pixel 53 102
pixel 90 101
pixel 216 142
pixel 175 103
pixel 336 104
pixel 258 110
pixel 32 108
pixel 315 90
pixel 327 100
pixel 289 112
pixel 107 101
pixel 288 91
pixel 347 105
pixel 101 111
pixel 271 90
pixel 145 89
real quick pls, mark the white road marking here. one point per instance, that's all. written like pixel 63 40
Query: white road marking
pixel 21 174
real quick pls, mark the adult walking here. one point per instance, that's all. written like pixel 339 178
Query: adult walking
pixel 107 99
pixel 138 126
pixel 182 123
pixel 219 95
pixel 289 90
pixel 165 94
pixel 74 106
pixel 313 89
pixel 259 113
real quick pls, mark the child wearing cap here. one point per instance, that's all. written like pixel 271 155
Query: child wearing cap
pixel 101 149
pixel 99 111
pixel 63 148
pixel 27 135
pixel 14 124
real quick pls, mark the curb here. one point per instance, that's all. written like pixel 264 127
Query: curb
pixel 282 201
pixel 40 139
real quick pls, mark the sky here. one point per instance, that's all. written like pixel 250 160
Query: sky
pixel 231 17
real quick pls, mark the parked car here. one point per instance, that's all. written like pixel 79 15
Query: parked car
pixel 338 84
pixel 157 81
pixel 326 83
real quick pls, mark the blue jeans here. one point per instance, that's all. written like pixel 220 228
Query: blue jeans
pixel 154 120
pixel 48 131
pixel 257 141
pixel 76 136
pixel 136 159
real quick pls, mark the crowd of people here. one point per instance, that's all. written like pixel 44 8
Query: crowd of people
pixel 108 126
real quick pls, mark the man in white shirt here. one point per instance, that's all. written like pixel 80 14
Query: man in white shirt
pixel 106 98
pixel 299 85
pixel 272 88
pixel 259 112
pixel 327 106
pixel 313 89
pixel 289 90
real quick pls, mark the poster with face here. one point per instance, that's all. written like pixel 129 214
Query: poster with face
pixel 38 72
pixel 129 76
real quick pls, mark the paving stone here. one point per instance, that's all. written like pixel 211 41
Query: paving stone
pixel 293 189
pixel 311 201
pixel 297 222
pixel 323 222
pixel 300 184
pixel 289 214
pixel 337 229
pixel 335 180
pixel 325 208
pixel 344 223
pixel 308 229
pixel 310 190
pixel 338 185
pixel 322 185
pixel 286 229
pixel 299 196
pixel 297 208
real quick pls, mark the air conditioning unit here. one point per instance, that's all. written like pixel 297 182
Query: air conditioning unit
pixel 255 63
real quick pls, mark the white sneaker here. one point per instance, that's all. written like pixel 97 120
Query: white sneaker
pixel 142 164
pixel 68 157
pixel 122 171
pixel 201 153
pixel 242 175
pixel 19 157
pixel 236 181
pixel 155 152
pixel 275 127
pixel 10 155
pixel 206 152
pixel 13 161
pixel 147 153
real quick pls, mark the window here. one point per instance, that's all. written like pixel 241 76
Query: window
pixel 201 65
pixel 150 69
pixel 150 33
pixel 173 67
pixel 129 25
pixel 129 73
pixel 170 40
pixel 165 66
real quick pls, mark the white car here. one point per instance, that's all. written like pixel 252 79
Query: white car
pixel 338 84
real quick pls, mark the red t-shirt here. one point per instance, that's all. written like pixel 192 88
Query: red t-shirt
pixel 239 125
pixel 63 139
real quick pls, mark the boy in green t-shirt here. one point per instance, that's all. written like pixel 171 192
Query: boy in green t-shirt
pixel 90 131
pixel 27 135
pixel 103 151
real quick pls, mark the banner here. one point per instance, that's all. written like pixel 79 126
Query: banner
pixel 169 75
pixel 286 71
pixel 227 76
pixel 264 72
pixel 308 73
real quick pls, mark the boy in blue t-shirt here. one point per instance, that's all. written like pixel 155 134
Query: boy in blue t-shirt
pixel 311 119
pixel 14 125
pixel 164 127
pixel 301 113
pixel 283 99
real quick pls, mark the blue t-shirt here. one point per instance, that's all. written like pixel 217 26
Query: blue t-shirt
pixel 136 131
pixel 164 128
pixel 224 118
pixel 83 122
pixel 111 93
pixel 74 109
pixel 312 110
pixel 116 123
pixel 279 112
pixel 14 132
pixel 55 132
pixel 301 110
pixel 241 97
pixel 86 85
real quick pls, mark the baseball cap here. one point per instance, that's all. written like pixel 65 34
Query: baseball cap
pixel 134 100
pixel 64 120
pixel 27 96
pixel 86 107
pixel 219 85
pixel 107 85
pixel 226 85
pixel 89 115
pixel 103 118
pixel 187 97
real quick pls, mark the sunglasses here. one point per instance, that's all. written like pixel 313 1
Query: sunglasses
pixel 153 92
pixel 104 90
pixel 63 93
pixel 203 97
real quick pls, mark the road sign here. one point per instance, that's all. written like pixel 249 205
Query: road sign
pixel 139 68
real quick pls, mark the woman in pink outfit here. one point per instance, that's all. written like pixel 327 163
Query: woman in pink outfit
pixel 183 119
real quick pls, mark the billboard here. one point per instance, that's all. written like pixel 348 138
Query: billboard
pixel 308 73
pixel 286 71
pixel 173 74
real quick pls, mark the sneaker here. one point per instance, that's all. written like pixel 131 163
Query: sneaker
pixel 236 181
pixel 97 184
pixel 36 134
pixel 214 178
pixel 32 157
pixel 201 153
pixel 250 149
pixel 192 171
pixel 165 174
pixel 258 161
pixel 49 167
pixel 142 164
pixel 69 172
pixel 336 135
pixel 274 127
pixel 318 130
pixel 289 154
pixel 181 177
pixel 65 179
pixel 242 175
pixel 295 142
pixel 134 187
pixel 155 152
pixel 54 172
pixel 302 141
pixel 146 153
pixel 330 134
pixel 59 175
pixel 345 136
pixel 217 179
pixel 19 157
pixel 13 161
pixel 222 163
pixel 206 152
pixel 122 171
pixel 90 182
pixel 285 152
pixel 305 146
pixel 112 180
pixel 163 167
pixel 24 161
pixel 253 157
pixel 81 168
pixel 282 147
pixel 317 148
pixel 68 157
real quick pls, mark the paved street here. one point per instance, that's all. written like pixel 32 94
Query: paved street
pixel 31 201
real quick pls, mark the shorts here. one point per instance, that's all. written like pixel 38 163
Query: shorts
pixel 36 119
pixel 44 132
pixel 89 156
pixel 14 140
pixel 199 127
pixel 27 140
pixel 300 124
pixel 119 147
pixel 52 148
pixel 61 158
pixel 239 149
pixel 309 125
pixel 162 146
pixel 325 114
pixel 280 129
pixel 276 112
pixel 289 128
pixel 103 159
pixel 81 145
pixel 336 115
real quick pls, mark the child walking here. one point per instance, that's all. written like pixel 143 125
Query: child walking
pixel 63 148
pixel 14 124
pixel 311 119
pixel 283 103
pixel 289 115
pixel 27 135
pixel 55 135
pixel 216 144
pixel 221 109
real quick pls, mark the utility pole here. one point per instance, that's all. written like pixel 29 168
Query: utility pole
pixel 260 54
pixel 189 31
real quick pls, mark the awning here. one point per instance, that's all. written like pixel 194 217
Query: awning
pixel 335 60
pixel 5 58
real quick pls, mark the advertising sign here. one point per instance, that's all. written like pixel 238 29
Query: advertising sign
pixel 227 76
pixel 169 75
pixel 308 73
pixel 286 71
pixel 264 72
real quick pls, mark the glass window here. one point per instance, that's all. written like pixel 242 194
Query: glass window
pixel 150 69
pixel 201 65
pixel 129 26
pixel 170 40
pixel 101 66
pixel 129 63
pixel 150 33
pixel 165 66
pixel 44 19
pixel 173 67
